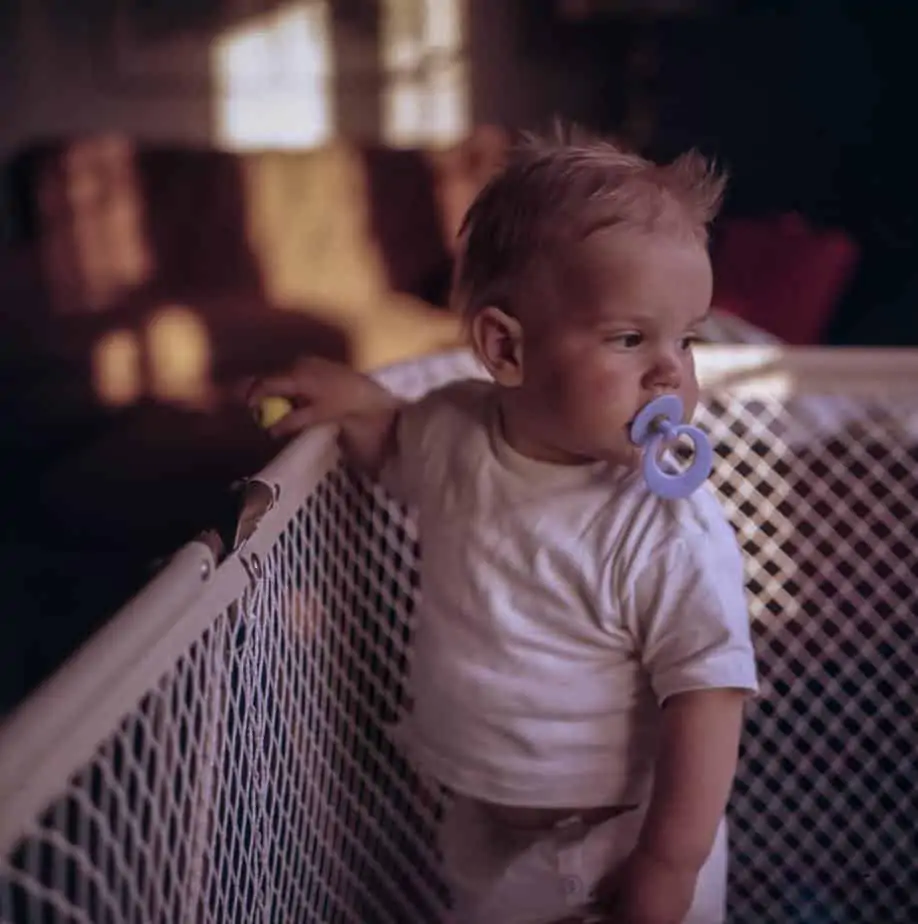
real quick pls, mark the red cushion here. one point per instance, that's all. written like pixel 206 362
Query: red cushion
pixel 782 275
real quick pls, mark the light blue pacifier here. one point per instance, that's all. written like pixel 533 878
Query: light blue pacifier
pixel 659 422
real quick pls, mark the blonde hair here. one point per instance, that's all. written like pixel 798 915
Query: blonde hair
pixel 552 193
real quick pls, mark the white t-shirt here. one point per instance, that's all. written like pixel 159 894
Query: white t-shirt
pixel 560 605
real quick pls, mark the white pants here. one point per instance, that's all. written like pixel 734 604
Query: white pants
pixel 503 875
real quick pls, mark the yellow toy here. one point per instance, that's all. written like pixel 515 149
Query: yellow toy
pixel 271 410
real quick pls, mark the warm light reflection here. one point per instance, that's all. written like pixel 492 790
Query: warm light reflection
pixel 745 369
pixel 274 76
pixel 308 225
pixel 116 368
pixel 178 356
pixel 272 79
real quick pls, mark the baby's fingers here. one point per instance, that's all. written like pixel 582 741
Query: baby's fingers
pixel 296 420
pixel 275 386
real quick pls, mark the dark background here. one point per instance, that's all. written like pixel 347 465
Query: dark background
pixel 808 103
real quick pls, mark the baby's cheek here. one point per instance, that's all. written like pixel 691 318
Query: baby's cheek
pixel 587 386
pixel 610 384
pixel 602 404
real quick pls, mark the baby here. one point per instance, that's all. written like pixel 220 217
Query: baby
pixel 583 650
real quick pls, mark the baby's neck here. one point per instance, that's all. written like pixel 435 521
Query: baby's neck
pixel 522 435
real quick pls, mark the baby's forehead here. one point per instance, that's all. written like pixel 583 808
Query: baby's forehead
pixel 610 257
pixel 619 272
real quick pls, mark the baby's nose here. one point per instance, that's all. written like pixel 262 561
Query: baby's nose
pixel 666 374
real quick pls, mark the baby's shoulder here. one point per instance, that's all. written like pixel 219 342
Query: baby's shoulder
pixel 460 396
pixel 433 434
pixel 445 423
pixel 452 409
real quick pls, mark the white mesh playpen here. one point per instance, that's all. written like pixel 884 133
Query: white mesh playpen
pixel 217 754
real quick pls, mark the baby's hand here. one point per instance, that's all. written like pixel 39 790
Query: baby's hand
pixel 646 890
pixel 319 391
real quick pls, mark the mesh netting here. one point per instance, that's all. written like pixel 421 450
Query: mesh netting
pixel 254 781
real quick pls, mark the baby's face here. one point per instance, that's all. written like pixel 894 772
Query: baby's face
pixel 629 310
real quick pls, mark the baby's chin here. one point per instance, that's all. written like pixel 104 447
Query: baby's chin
pixel 626 456
pixel 631 457
pixel 619 452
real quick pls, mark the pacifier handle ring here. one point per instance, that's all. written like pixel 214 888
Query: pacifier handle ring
pixel 659 422
pixel 678 485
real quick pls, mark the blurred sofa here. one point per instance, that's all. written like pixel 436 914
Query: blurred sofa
pixel 143 285
pixel 162 276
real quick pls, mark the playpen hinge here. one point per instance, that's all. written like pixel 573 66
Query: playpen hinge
pixel 252 499
pixel 253 568
pixel 256 499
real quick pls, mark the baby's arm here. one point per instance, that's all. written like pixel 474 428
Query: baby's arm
pixel 694 775
pixel 368 438
pixel 687 612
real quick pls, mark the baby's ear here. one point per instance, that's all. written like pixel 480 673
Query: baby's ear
pixel 497 339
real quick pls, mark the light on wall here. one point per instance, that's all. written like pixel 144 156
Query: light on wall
pixel 275 75
pixel 426 87
pixel 273 80
pixel 116 375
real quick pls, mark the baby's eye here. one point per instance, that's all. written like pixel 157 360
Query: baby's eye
pixel 629 341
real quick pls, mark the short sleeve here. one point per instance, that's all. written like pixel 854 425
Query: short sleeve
pixel 417 445
pixel 400 474
pixel 688 612
pixel 426 437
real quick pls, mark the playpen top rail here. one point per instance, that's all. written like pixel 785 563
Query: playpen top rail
pixel 771 371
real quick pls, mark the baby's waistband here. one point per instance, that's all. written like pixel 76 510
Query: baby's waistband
pixel 535 818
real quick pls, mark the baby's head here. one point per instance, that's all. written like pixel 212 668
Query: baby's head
pixel 583 276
